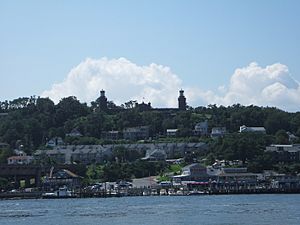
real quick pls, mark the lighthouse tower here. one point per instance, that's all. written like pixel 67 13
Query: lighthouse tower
pixel 102 101
pixel 181 101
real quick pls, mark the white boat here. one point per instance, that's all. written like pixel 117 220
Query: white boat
pixel 197 192
pixel 62 192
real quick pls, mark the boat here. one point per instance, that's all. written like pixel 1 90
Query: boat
pixel 62 192
pixel 197 192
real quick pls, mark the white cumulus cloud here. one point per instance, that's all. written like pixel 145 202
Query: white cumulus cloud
pixel 269 86
pixel 122 80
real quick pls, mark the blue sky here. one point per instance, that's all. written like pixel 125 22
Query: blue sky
pixel 202 42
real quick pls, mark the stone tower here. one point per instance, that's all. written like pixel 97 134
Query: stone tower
pixel 181 101
pixel 102 101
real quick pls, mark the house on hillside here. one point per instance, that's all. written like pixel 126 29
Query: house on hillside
pixel 172 132
pixel 19 160
pixel 218 132
pixel 111 135
pixel 244 129
pixel 74 133
pixel 69 154
pixel 4 146
pixel 55 141
pixel 136 133
pixel 155 155
pixel 201 129
pixel 284 153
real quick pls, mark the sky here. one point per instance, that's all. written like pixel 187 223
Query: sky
pixel 220 52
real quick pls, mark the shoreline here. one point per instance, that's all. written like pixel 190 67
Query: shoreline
pixel 39 195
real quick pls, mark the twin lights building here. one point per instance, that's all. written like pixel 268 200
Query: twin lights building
pixel 182 105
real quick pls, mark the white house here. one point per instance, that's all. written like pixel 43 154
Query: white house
pixel 172 132
pixel 218 132
pixel 244 129
pixel 201 128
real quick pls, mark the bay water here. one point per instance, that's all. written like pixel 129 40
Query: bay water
pixel 172 210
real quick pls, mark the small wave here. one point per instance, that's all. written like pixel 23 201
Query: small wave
pixel 19 215
pixel 100 215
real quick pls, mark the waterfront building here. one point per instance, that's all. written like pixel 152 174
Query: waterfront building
pixel 192 172
pixel 62 178
pixel 198 174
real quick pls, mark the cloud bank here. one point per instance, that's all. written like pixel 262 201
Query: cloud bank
pixel 123 81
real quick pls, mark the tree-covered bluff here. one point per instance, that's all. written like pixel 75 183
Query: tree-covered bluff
pixel 31 122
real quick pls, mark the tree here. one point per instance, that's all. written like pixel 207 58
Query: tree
pixel 130 104
pixel 69 108
pixel 4 154
pixel 282 137
pixel 94 172
pixel 277 121
pixel 45 105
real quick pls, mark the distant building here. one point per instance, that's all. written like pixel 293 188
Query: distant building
pixel 192 172
pixel 244 129
pixel 55 142
pixel 136 133
pixel 201 129
pixel 198 173
pixel 62 178
pixel 143 106
pixel 285 153
pixel 103 104
pixel 19 160
pixel 155 155
pixel 111 135
pixel 82 154
pixel 292 137
pixel 74 133
pixel 18 152
pixel 4 145
pixel 172 132
pixel 87 154
pixel 181 101
pixel 102 101
pixel 218 132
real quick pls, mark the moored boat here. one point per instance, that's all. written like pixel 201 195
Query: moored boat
pixel 62 192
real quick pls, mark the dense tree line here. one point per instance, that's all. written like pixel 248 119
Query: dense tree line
pixel 32 121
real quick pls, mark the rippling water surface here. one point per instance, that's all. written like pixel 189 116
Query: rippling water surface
pixel 226 209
